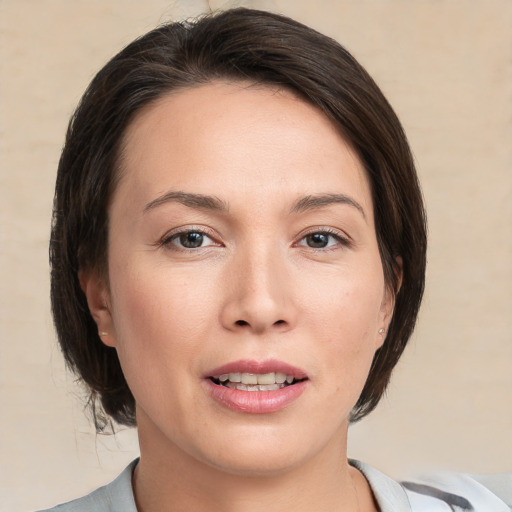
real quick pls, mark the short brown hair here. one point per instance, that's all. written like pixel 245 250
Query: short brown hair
pixel 239 45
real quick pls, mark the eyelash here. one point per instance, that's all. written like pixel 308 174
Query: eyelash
pixel 341 240
pixel 168 239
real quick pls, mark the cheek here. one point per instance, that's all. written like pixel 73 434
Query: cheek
pixel 159 324
pixel 158 315
pixel 344 323
pixel 348 301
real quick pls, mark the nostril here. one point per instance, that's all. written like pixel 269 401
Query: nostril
pixel 244 323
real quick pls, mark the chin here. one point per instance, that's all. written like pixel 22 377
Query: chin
pixel 262 452
pixel 257 463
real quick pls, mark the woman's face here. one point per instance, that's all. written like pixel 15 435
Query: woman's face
pixel 242 249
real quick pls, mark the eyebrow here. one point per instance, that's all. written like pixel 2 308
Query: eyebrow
pixel 205 202
pixel 321 200
pixel 188 199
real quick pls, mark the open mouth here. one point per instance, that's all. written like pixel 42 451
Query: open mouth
pixel 255 381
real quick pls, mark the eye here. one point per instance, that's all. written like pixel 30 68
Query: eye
pixel 321 240
pixel 192 239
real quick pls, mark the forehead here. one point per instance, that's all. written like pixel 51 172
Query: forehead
pixel 239 134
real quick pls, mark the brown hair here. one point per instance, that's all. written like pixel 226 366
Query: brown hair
pixel 239 45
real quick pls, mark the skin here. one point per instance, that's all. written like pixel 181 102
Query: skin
pixel 255 290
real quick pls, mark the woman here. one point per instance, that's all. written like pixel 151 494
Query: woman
pixel 238 257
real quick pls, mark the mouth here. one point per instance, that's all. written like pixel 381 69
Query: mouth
pixel 256 387
pixel 242 381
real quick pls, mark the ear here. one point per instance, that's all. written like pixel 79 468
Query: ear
pixel 98 300
pixel 388 304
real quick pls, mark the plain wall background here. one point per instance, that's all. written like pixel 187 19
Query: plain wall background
pixel 446 67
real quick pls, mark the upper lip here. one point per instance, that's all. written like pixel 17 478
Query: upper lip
pixel 257 367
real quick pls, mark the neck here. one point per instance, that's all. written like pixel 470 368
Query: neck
pixel 167 479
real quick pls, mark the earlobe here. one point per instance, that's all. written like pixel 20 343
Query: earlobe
pixel 388 303
pixel 98 300
pixel 387 308
pixel 386 313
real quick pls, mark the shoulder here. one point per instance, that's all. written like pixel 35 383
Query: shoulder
pixel 458 491
pixel 440 492
pixel 95 501
pixel 117 496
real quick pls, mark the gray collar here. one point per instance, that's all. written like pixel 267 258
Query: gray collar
pixel 390 495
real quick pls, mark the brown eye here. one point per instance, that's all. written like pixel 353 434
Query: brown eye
pixel 189 240
pixel 317 240
pixel 322 240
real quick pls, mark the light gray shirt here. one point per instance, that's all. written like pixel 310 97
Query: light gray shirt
pixel 439 492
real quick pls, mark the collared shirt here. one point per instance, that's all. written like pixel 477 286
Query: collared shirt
pixel 439 492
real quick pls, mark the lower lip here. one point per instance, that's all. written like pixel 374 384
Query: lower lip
pixel 255 402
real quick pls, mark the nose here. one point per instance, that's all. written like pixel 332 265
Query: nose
pixel 259 294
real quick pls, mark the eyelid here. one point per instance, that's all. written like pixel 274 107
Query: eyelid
pixel 166 240
pixel 341 236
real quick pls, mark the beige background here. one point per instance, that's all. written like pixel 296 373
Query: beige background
pixel 446 66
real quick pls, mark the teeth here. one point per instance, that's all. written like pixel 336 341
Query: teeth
pixel 280 377
pixel 267 378
pixel 249 378
pixel 271 387
pixel 253 379
pixel 259 387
